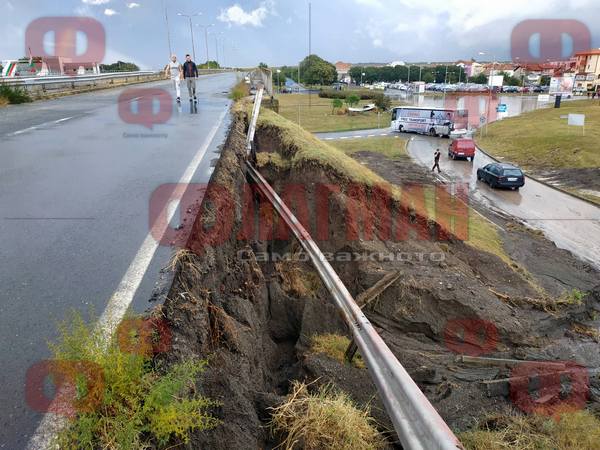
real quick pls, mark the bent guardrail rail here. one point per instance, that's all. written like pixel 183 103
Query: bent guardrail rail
pixel 417 423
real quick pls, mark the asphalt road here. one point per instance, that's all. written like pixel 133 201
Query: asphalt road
pixel 75 185
pixel 569 222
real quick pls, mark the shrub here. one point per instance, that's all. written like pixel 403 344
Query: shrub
pixel 14 96
pixel 239 91
pixel 336 103
pixel 137 406
pixel 324 420
pixel 383 102
pixel 352 99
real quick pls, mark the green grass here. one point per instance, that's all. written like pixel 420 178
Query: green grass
pixel 131 404
pixel 334 346
pixel 319 116
pixel 300 149
pixel 13 96
pixel 568 431
pixel 392 147
pixel 542 140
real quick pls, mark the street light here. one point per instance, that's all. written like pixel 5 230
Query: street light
pixel 189 16
pixel 206 27
pixel 278 82
pixel 491 83
pixel 362 74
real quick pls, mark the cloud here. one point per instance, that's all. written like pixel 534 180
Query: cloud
pixel 133 5
pixel 110 12
pixel 95 2
pixel 235 15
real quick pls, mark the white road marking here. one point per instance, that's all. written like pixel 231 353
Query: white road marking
pixel 63 120
pixel 344 137
pixel 371 135
pixel 35 127
pixel 121 299
pixel 357 137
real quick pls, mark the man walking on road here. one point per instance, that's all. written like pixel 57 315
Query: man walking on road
pixel 190 73
pixel 174 72
pixel 436 159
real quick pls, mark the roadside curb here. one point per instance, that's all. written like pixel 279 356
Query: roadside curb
pixel 545 183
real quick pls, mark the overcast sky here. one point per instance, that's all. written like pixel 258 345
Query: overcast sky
pixel 276 31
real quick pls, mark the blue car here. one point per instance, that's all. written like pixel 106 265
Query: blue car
pixel 501 175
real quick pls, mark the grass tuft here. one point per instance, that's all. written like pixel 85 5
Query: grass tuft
pixel 136 406
pixel 324 420
pixel 569 431
pixel 334 346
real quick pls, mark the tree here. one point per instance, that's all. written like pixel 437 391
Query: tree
pixel 479 79
pixel 119 66
pixel 383 102
pixel 209 65
pixel 315 70
pixel 263 65
pixel 545 80
pixel 510 80
pixel 352 99
pixel 336 103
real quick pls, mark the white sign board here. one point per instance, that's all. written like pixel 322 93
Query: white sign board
pixel 562 85
pixel 577 120
pixel 496 80
pixel 543 98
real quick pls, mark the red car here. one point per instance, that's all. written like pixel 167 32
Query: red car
pixel 462 148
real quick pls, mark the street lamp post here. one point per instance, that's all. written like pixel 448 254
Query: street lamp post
pixel 189 16
pixel 278 81
pixel 491 83
pixel 362 74
pixel 445 83
pixel 168 32
pixel 206 27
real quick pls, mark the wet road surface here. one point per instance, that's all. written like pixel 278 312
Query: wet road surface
pixel 569 222
pixel 74 198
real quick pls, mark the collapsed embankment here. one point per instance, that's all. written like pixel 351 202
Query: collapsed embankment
pixel 238 301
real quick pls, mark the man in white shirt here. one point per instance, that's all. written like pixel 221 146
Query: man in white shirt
pixel 174 71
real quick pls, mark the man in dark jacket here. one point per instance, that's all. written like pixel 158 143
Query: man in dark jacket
pixel 436 160
pixel 190 73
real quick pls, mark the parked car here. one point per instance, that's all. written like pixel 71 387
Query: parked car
pixel 462 148
pixel 501 175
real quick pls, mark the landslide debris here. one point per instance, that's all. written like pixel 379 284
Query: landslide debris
pixel 254 316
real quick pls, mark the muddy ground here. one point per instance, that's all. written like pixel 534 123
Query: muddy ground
pixel 253 318
pixel 585 180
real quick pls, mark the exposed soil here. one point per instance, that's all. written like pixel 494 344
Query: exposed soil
pixel 253 317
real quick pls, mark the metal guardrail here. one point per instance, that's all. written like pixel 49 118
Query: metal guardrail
pixel 19 81
pixel 417 423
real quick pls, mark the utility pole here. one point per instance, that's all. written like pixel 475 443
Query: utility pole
pixel 309 45
pixel 191 30
pixel 206 27
pixel 420 73
pixel 168 31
